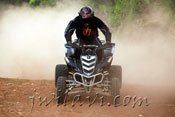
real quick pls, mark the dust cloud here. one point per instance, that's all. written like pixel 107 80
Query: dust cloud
pixel 146 49
pixel 32 40
pixel 32 43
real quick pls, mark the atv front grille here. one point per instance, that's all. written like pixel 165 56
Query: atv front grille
pixel 88 81
pixel 88 64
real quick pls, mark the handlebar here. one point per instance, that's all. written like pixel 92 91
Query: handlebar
pixel 74 45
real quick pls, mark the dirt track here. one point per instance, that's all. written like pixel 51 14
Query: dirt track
pixel 14 101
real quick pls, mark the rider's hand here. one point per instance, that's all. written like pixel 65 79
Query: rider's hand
pixel 108 42
pixel 69 42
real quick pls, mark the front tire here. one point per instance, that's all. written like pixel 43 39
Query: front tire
pixel 60 70
pixel 115 71
pixel 115 75
pixel 61 89
pixel 115 87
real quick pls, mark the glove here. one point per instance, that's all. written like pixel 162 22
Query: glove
pixel 69 42
pixel 108 42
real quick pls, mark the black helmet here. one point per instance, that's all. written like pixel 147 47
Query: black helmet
pixel 86 12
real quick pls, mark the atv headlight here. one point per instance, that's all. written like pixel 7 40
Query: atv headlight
pixel 70 51
pixel 109 51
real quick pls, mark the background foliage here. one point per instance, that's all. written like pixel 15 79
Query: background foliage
pixel 114 11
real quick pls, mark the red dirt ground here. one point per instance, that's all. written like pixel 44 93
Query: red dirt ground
pixel 15 102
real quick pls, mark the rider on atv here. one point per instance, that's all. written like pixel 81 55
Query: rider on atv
pixel 86 25
pixel 88 62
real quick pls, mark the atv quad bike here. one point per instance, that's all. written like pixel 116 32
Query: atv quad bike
pixel 88 69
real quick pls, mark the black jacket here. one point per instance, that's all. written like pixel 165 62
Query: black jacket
pixel 86 32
